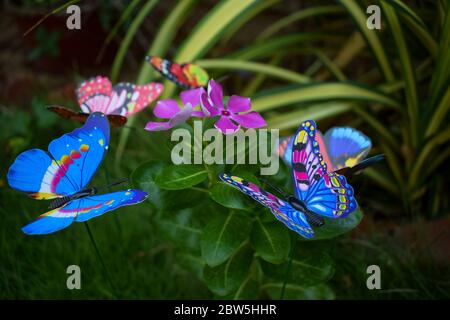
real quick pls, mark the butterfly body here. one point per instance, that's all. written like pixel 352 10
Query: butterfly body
pixel 186 75
pixel 63 173
pixel 318 192
pixel 59 202
pixel 311 217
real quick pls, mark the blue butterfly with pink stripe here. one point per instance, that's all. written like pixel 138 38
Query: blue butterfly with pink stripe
pixel 318 192
pixel 63 173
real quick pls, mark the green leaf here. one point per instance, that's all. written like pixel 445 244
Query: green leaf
pixel 223 235
pixel 143 177
pixel 247 290
pixel 177 177
pixel 271 241
pixel 184 228
pixel 296 292
pixel 296 17
pixel 417 26
pixel 320 92
pixel 131 31
pixel 317 112
pixel 192 263
pixel 209 29
pixel 371 37
pixel 337 227
pixel 175 200
pixel 258 68
pixel 406 67
pixel 227 277
pixel 277 44
pixel 227 196
pixel 309 267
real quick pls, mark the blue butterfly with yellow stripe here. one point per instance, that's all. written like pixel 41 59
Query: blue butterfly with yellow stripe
pixel 318 191
pixel 63 173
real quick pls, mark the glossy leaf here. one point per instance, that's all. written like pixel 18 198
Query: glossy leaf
pixel 227 196
pixel 177 177
pixel 223 235
pixel 337 227
pixel 271 241
pixel 227 277
pixel 320 92
pixel 143 177
pixel 309 267
pixel 184 228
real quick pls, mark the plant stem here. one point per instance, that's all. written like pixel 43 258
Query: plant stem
pixel 102 262
pixel 116 217
pixel 288 270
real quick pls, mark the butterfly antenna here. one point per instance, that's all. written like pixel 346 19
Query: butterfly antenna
pixel 115 183
pixel 277 189
pixel 364 164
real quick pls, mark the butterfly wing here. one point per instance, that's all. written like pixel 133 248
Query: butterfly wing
pixel 283 211
pixel 170 70
pixel 332 196
pixel 308 166
pixel 69 113
pixel 36 173
pixel 346 146
pixel 128 98
pixel 324 151
pixel 325 193
pixel 114 119
pixel 78 154
pixel 285 149
pixel 94 94
pixel 67 167
pixel 81 210
pixel 196 76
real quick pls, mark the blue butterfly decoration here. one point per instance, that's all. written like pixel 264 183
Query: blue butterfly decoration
pixel 318 192
pixel 63 173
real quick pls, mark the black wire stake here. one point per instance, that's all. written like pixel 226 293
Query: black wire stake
pixel 102 262
pixel 289 266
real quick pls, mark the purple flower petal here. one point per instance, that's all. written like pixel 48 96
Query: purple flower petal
pixel 181 116
pixel 166 109
pixel 208 109
pixel 226 126
pixel 178 118
pixel 215 94
pixel 238 104
pixel 198 114
pixel 192 96
pixel 157 126
pixel 249 120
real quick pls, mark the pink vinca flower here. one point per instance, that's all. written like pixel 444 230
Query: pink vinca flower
pixel 232 116
pixel 169 109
